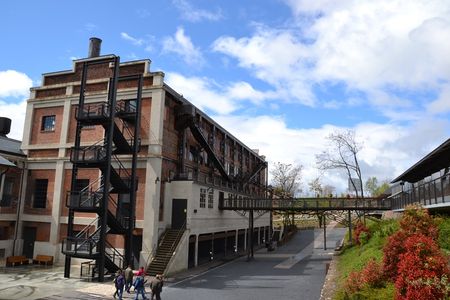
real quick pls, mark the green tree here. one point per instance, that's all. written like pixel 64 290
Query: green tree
pixel 374 188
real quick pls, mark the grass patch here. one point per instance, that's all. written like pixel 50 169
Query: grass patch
pixel 355 258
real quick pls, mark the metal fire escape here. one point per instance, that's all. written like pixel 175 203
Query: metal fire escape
pixel 112 196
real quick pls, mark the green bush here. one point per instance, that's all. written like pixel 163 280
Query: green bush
pixel 444 234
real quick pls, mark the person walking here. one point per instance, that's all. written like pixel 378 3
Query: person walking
pixel 128 278
pixel 139 287
pixel 156 286
pixel 119 283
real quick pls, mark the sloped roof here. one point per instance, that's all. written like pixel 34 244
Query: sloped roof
pixel 436 160
pixel 10 146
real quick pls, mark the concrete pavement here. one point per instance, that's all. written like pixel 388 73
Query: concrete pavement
pixel 293 271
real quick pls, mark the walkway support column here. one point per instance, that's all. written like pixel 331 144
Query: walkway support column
pixel 250 236
pixel 350 227
pixel 324 233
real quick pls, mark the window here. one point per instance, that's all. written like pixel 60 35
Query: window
pixel 6 199
pixel 202 198
pixel 40 193
pixel 211 198
pixel 48 123
pixel 81 184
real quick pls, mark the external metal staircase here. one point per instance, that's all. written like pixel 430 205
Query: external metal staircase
pixel 104 196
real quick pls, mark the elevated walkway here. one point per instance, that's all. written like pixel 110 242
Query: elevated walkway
pixel 307 204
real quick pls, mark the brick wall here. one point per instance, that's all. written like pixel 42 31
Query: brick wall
pixel 39 174
pixel 38 136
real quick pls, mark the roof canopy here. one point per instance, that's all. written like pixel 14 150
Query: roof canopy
pixel 436 160
pixel 5 162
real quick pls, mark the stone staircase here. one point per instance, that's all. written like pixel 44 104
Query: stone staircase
pixel 165 250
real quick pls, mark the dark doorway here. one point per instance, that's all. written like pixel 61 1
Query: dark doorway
pixel 137 247
pixel 191 254
pixel 29 237
pixel 179 210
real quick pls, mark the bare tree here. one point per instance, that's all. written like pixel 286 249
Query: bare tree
pixel 342 154
pixel 286 179
pixel 315 186
pixel 286 182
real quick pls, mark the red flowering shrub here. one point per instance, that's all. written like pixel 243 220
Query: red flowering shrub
pixel 353 283
pixel 372 274
pixel 422 270
pixel 392 250
pixel 361 233
pixel 417 220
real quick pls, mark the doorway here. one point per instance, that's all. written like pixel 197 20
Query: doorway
pixel 179 211
pixel 29 237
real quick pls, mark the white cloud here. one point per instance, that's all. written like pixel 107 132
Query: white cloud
pixel 192 14
pixel 275 57
pixel 133 40
pixel 220 99
pixel 14 84
pixel 16 112
pixel 201 92
pixel 388 149
pixel 370 46
pixel 183 46
pixel 442 104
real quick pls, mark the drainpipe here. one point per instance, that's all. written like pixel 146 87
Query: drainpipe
pixel 19 204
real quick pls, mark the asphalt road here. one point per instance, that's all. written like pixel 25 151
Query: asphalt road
pixel 293 271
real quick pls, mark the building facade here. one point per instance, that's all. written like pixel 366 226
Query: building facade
pixel 12 168
pixel 186 165
pixel 426 183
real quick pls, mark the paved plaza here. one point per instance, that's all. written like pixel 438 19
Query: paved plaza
pixel 293 271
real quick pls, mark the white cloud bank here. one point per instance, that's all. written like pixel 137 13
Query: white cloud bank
pixel 388 149
pixel 14 86
pixel 377 47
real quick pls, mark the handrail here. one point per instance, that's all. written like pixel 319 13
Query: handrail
pixel 85 229
pixel 99 108
pixel 113 208
pixel 307 204
pixel 121 167
pixel 112 256
pixel 179 234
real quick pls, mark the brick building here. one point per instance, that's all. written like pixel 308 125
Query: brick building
pixel 186 165
pixel 12 166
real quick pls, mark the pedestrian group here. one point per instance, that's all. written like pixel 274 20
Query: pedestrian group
pixel 125 280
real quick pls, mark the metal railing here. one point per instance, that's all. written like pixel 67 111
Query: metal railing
pixel 433 192
pixel 114 256
pixel 88 197
pixel 307 204
pixel 93 111
pixel 91 153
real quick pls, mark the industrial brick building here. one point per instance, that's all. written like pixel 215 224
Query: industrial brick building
pixel 12 166
pixel 86 128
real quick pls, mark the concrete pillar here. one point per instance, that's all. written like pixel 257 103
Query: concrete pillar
pixel 19 241
pixel 65 127
pixel 58 201
pixel 196 251
pixel 27 127
pixel 153 171
pixel 151 210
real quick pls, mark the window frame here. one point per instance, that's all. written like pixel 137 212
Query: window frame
pixel 39 196
pixel 202 198
pixel 48 127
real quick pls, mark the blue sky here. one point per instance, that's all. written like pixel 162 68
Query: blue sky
pixel 280 75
